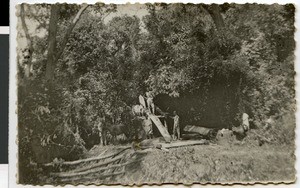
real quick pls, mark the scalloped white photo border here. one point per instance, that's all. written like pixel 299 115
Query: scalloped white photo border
pixel 13 86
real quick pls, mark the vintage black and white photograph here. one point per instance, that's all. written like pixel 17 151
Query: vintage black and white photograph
pixel 134 94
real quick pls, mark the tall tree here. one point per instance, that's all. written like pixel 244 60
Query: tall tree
pixel 69 31
pixel 53 55
pixel 29 41
pixel 52 41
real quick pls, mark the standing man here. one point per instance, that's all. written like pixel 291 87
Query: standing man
pixel 102 131
pixel 246 125
pixel 150 104
pixel 176 128
pixel 147 125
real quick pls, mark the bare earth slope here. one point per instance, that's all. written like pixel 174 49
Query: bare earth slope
pixel 207 163
pixel 212 163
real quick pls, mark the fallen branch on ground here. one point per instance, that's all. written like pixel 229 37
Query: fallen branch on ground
pixel 98 165
pixel 93 177
pixel 263 138
pixel 88 159
pixel 68 174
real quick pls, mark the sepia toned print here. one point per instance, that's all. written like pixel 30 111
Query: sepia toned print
pixel 155 93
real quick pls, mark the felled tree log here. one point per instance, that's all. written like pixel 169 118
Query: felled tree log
pixel 196 129
pixel 184 143
pixel 147 144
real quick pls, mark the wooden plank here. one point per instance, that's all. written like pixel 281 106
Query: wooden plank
pixel 184 143
pixel 162 129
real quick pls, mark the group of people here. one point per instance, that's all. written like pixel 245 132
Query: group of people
pixel 151 108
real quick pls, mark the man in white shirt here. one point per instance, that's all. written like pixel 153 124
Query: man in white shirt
pixel 150 104
pixel 176 128
pixel 246 122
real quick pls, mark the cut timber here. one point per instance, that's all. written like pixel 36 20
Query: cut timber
pixel 162 129
pixel 184 143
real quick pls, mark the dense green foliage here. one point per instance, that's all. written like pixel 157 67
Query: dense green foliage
pixel 209 73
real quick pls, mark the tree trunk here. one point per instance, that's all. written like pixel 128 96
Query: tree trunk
pixel 53 55
pixel 215 14
pixel 69 31
pixel 241 106
pixel 50 67
pixel 28 57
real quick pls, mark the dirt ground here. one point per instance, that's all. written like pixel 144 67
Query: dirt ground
pixel 208 163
